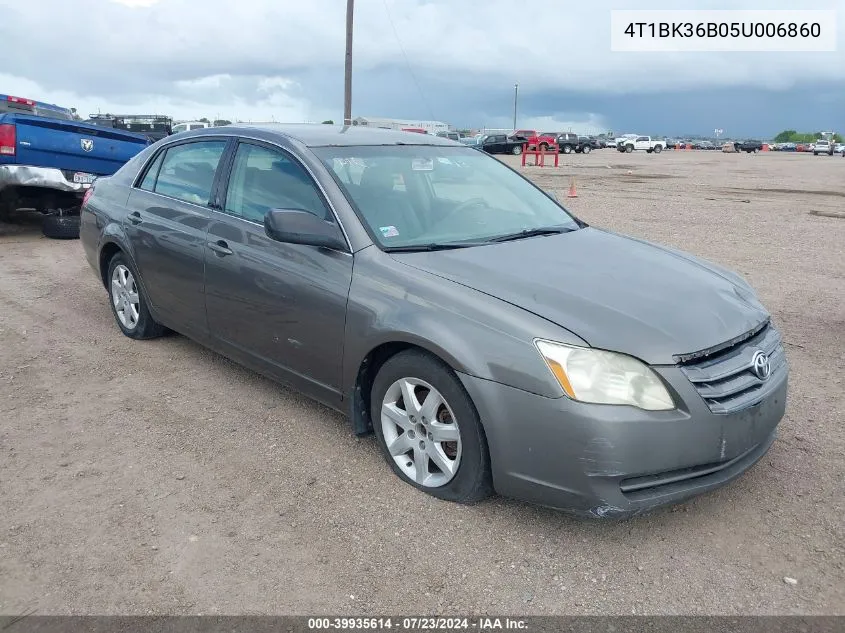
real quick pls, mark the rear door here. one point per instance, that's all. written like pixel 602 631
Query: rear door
pixel 167 223
pixel 73 146
pixel 642 142
pixel 280 308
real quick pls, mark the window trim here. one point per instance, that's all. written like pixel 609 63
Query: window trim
pixel 222 187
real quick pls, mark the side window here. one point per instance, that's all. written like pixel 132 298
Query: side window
pixel 642 138
pixel 149 181
pixel 187 171
pixel 264 179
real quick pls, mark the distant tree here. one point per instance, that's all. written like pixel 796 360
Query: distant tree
pixel 219 122
pixel 329 122
pixel 791 136
pixel 203 120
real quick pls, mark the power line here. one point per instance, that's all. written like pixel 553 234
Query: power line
pixel 408 63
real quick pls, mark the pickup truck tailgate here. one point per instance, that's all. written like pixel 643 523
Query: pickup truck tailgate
pixel 72 145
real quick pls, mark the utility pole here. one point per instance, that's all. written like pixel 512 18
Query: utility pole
pixel 515 97
pixel 347 83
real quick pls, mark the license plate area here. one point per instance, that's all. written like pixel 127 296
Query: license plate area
pixel 82 178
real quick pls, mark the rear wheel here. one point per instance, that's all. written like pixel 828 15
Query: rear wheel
pixel 128 303
pixel 517 150
pixel 587 149
pixel 429 430
pixel 657 149
pixel 567 149
pixel 544 146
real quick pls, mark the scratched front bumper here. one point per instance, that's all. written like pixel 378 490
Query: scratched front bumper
pixel 617 461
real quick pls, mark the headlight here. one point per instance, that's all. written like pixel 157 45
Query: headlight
pixel 601 377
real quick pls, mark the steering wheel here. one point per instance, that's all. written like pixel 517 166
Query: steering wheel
pixel 468 204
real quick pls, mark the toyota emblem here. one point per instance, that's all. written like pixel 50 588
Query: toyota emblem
pixel 760 365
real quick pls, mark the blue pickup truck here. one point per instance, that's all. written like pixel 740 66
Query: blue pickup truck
pixel 48 160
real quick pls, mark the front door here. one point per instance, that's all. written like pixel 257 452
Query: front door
pixel 167 220
pixel 279 307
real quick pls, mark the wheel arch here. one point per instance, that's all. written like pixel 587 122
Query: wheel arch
pixel 373 360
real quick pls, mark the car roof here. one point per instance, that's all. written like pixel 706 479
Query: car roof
pixel 319 135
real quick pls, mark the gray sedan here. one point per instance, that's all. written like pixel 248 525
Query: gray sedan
pixel 489 338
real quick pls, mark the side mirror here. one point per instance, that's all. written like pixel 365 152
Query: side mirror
pixel 295 226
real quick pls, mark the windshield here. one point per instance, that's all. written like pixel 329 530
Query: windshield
pixel 434 195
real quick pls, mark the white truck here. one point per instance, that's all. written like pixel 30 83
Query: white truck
pixel 642 143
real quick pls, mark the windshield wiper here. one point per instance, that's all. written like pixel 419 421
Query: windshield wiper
pixel 546 230
pixel 435 246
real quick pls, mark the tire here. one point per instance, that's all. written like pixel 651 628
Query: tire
pixel 544 146
pixel 60 227
pixel 567 149
pixel 139 327
pixel 587 149
pixel 657 149
pixel 629 149
pixel 471 479
pixel 517 150
pixel 815 153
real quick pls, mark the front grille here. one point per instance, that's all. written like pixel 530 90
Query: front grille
pixel 725 379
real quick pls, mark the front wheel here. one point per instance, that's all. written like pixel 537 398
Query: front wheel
pixel 428 428
pixel 128 303
pixel 629 149
pixel 544 146
pixel 517 150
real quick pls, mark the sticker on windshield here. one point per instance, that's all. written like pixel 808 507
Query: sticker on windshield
pixel 422 164
pixel 388 231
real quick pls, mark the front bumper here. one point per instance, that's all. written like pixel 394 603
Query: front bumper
pixel 44 177
pixel 616 461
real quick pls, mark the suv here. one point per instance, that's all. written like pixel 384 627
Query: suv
pixel 823 147
pixel 454 136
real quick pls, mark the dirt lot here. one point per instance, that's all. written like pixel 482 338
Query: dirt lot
pixel 157 477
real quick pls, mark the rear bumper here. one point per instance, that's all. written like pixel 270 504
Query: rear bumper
pixel 42 177
pixel 604 461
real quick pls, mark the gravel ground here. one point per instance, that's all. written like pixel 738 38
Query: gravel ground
pixel 157 477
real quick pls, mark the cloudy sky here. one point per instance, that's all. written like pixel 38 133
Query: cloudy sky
pixel 450 60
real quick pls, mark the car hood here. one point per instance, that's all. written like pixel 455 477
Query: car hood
pixel 615 292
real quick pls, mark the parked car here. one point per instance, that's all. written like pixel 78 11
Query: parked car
pixel 823 147
pixel 706 145
pixel 48 159
pixel 642 143
pixel 489 338
pixel 611 142
pixel 839 149
pixel 542 140
pixel 569 142
pixel 455 136
pixel 502 144
pixel 749 146
pixel 187 126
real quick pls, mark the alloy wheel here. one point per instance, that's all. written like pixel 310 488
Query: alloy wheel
pixel 124 292
pixel 421 432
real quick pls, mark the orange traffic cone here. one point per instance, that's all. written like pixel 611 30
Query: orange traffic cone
pixel 572 193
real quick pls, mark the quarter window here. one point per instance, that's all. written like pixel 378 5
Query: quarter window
pixel 187 171
pixel 264 179
pixel 149 182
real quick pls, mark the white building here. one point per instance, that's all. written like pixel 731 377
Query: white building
pixel 432 127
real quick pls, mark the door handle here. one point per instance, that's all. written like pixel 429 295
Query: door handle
pixel 220 247
pixel 135 217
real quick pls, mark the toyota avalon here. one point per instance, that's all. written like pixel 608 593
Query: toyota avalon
pixel 490 339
